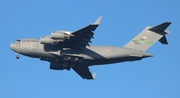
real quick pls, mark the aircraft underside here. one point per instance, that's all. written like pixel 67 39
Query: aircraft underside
pixel 71 50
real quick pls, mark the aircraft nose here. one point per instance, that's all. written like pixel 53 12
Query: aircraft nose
pixel 12 46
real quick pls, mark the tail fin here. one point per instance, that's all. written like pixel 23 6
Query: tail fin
pixel 149 36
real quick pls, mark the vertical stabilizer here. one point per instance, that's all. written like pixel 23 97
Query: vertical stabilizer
pixel 149 36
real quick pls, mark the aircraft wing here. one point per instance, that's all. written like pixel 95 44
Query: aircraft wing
pixel 81 38
pixel 84 72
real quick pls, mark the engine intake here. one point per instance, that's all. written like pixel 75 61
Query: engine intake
pixel 46 40
pixel 60 34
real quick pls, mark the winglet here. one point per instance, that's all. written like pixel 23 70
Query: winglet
pixel 94 75
pixel 97 22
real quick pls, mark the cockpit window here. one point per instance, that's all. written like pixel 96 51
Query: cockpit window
pixel 18 40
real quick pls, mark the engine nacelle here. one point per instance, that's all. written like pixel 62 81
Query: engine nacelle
pixel 58 66
pixel 60 34
pixel 46 40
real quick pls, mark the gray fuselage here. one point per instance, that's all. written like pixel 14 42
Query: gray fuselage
pixel 92 55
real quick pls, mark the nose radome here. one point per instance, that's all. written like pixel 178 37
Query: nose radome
pixel 11 46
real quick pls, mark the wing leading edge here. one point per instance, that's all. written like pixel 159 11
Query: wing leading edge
pixel 82 37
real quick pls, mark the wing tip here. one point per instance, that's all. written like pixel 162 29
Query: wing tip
pixel 94 75
pixel 98 21
pixel 92 78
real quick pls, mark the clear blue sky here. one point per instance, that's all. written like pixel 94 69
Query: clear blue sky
pixel 156 77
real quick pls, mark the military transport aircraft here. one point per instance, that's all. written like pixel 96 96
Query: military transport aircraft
pixel 71 50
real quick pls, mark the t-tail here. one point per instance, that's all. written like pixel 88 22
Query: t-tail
pixel 149 36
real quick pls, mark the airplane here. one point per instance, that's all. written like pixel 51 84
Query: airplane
pixel 71 50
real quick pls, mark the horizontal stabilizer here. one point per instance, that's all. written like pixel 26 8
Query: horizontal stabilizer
pixel 135 55
pixel 160 27
pixel 141 55
pixel 163 40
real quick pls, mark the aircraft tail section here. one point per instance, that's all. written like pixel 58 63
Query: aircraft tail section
pixel 149 36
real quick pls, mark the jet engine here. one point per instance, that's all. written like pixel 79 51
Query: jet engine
pixel 60 34
pixel 56 36
pixel 46 40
